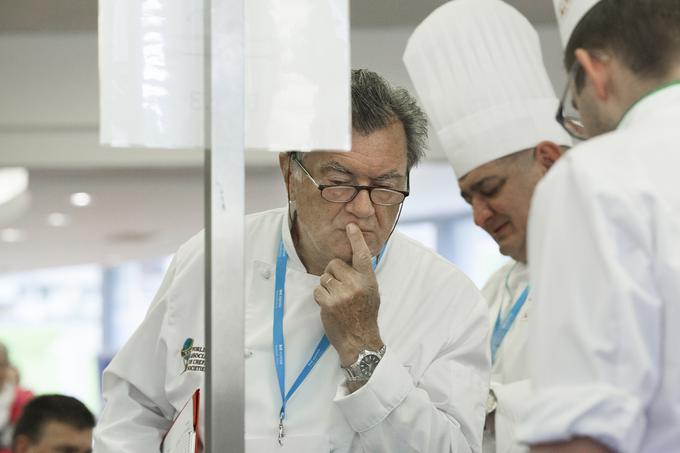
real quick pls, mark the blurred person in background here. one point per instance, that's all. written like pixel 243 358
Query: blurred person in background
pixel 54 424
pixel 22 395
pixel 12 399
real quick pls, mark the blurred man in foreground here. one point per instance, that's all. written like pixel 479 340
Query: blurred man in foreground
pixel 604 239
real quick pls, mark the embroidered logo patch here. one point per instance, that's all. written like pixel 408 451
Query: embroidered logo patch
pixel 193 356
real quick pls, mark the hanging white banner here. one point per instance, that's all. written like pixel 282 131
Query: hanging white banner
pixel 297 74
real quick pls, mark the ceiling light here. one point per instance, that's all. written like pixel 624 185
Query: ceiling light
pixel 12 235
pixel 81 199
pixel 13 182
pixel 57 219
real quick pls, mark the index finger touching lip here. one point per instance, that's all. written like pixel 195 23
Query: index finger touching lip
pixel 361 254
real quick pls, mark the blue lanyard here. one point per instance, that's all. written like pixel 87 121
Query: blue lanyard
pixel 501 328
pixel 279 345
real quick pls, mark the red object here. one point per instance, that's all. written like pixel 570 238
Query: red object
pixel 21 397
pixel 195 402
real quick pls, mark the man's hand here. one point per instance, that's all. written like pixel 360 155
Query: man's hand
pixel 349 301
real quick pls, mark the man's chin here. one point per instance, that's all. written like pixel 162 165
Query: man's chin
pixel 372 243
pixel 342 252
pixel 512 251
pixel 506 248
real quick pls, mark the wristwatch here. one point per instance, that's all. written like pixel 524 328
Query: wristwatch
pixel 362 369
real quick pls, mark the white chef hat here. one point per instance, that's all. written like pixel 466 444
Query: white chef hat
pixel 478 71
pixel 569 13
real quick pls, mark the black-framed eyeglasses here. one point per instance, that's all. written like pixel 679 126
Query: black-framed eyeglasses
pixel 567 114
pixel 344 193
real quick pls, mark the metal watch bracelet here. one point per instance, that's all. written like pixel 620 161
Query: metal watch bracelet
pixel 354 373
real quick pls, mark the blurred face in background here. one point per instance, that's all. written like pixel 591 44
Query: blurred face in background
pixel 56 437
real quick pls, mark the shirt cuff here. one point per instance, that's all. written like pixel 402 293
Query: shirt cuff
pixel 511 398
pixel 389 385
pixel 603 413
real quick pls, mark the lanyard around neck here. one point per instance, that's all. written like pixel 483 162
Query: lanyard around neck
pixel 279 344
pixel 501 329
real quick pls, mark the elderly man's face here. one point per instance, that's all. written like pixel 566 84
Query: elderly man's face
pixel 377 159
pixel 57 437
pixel 500 194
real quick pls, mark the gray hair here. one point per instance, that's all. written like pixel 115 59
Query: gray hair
pixel 376 105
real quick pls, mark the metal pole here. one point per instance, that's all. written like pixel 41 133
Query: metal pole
pixel 224 221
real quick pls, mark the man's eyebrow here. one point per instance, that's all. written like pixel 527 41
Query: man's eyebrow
pixel 466 194
pixel 68 449
pixel 476 186
pixel 394 174
pixel 336 166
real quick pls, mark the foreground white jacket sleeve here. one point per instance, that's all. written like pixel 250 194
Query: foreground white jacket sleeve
pixel 137 414
pixel 595 338
pixel 443 412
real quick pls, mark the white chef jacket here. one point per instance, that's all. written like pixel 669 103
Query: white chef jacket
pixel 426 395
pixel 510 372
pixel 604 257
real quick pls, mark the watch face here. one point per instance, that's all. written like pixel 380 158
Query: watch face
pixel 368 364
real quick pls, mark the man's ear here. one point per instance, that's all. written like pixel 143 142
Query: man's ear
pixel 597 71
pixel 21 444
pixel 546 154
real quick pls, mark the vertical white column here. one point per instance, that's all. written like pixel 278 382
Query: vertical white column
pixel 224 221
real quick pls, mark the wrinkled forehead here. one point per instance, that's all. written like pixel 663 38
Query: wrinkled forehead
pixel 355 164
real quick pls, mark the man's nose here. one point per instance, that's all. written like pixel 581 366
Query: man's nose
pixel 361 206
pixel 481 211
